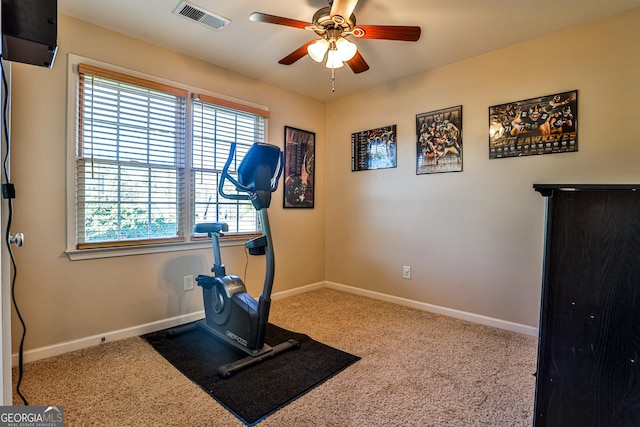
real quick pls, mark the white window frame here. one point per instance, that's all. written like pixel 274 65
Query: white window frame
pixel 189 242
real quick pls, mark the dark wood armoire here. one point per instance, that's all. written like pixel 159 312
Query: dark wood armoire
pixel 588 370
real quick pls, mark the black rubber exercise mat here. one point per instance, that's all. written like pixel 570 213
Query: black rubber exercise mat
pixel 252 394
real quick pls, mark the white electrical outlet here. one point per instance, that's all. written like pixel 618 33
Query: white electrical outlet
pixel 406 272
pixel 188 283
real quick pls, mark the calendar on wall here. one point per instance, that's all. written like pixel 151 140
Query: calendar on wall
pixel 374 149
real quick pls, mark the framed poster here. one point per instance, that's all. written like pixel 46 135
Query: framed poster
pixel 374 149
pixel 543 125
pixel 439 141
pixel 299 168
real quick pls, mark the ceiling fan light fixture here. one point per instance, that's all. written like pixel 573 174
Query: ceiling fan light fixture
pixel 335 25
pixel 346 49
pixel 333 59
pixel 318 49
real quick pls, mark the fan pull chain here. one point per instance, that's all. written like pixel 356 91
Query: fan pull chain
pixel 333 80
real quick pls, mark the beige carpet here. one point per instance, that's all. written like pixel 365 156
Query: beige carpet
pixel 417 369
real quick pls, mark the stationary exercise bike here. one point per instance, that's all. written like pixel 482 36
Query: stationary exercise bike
pixel 231 314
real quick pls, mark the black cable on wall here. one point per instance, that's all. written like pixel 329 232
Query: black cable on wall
pixel 9 193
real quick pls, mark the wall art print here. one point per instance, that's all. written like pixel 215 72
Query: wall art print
pixel 439 141
pixel 299 168
pixel 543 125
pixel 374 149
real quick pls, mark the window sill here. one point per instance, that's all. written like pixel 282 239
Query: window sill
pixel 84 254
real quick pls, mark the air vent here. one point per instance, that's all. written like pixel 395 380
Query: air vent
pixel 195 13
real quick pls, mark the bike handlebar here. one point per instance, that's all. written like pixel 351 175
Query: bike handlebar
pixel 244 188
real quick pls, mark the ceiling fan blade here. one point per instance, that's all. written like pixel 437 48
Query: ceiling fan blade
pixel 343 8
pixel 296 54
pixel 389 32
pixel 278 20
pixel 358 64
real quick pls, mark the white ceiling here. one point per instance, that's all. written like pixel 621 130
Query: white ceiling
pixel 452 30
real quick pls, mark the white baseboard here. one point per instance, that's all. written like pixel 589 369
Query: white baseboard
pixel 298 291
pixel 134 331
pixel 463 315
pixel 57 349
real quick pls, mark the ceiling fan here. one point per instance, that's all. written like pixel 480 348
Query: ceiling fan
pixel 334 24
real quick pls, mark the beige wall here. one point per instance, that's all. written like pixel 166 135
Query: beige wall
pixel 475 239
pixel 63 300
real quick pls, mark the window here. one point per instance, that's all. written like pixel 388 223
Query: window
pixel 214 129
pixel 130 159
pixel 148 158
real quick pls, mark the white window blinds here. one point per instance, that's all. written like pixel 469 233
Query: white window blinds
pixel 215 127
pixel 148 159
pixel 130 159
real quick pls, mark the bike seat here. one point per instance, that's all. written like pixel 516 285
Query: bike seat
pixel 210 227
